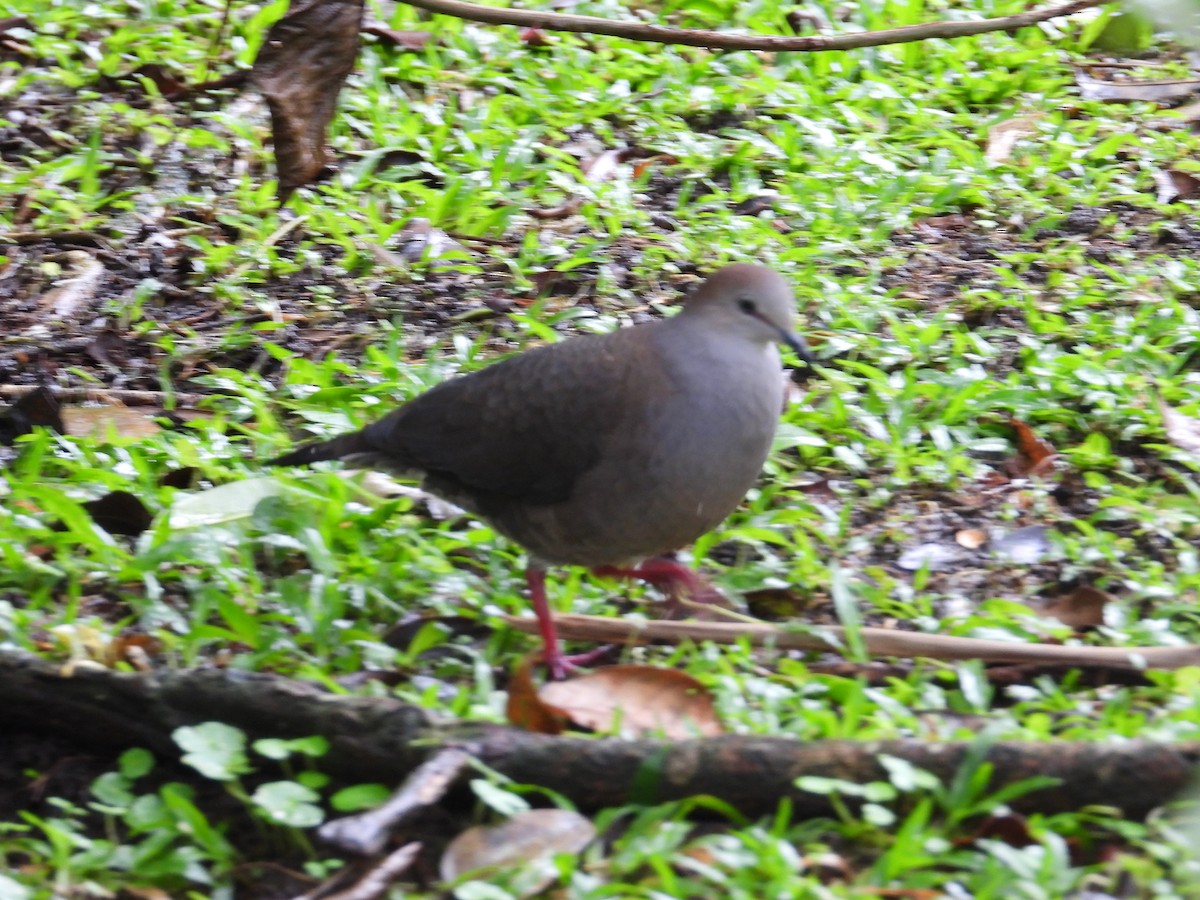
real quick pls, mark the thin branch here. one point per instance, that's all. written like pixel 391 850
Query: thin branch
pixel 715 40
pixel 877 641
pixel 110 396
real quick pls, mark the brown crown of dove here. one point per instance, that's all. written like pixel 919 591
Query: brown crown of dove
pixel 606 451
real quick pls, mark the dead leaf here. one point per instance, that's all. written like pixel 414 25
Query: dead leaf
pixel 1035 455
pixel 300 71
pixel 971 538
pixel 78 285
pixel 401 40
pixel 531 836
pixel 817 491
pixel 1082 608
pixel 524 708
pixel 107 343
pixel 637 700
pixel 87 645
pixel 535 37
pixel 1182 431
pixel 757 205
pixel 106 422
pixel 1003 136
pixel 561 211
pixel 1164 92
pixel 641 166
pixel 1172 184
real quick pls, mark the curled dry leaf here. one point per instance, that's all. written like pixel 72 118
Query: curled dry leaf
pixel 1082 608
pixel 1172 185
pixel 535 37
pixel 641 166
pixel 1003 136
pixel 1035 455
pixel 76 288
pixel 524 708
pixel 86 645
pixel 637 701
pixel 528 837
pixel 300 71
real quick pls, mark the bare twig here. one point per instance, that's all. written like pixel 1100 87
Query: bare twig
pixel 376 881
pixel 111 396
pixel 877 641
pixel 715 40
pixel 367 833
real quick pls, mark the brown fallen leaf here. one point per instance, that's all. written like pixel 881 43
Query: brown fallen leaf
pixel 642 165
pixel 636 700
pixel 86 645
pixel 1035 455
pixel 529 837
pixel 535 37
pixel 1172 185
pixel 524 708
pixel 1082 608
pixel 104 422
pixel 300 71
pixel 1182 431
pixel 562 211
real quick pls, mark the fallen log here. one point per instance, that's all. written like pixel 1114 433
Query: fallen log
pixel 381 739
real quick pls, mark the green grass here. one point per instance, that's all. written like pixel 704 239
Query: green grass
pixel 947 294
